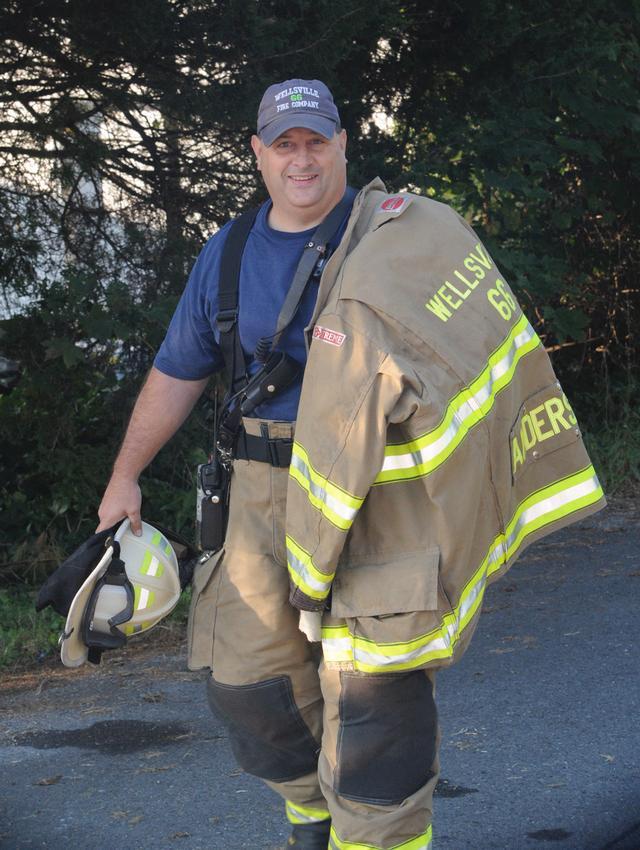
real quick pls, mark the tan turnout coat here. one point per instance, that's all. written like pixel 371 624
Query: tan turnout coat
pixel 433 442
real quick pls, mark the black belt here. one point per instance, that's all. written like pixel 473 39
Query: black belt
pixel 277 452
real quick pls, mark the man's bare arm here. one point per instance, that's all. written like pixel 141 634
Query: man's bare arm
pixel 162 406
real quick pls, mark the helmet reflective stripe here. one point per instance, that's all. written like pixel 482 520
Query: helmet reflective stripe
pixel 143 597
pixel 537 510
pixel 305 814
pixel 151 566
pixel 148 591
pixel 419 842
pixel 158 540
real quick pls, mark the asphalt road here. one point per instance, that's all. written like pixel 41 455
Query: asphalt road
pixel 540 723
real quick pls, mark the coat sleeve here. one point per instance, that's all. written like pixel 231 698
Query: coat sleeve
pixel 352 388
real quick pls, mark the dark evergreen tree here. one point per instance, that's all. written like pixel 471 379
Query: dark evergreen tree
pixel 124 145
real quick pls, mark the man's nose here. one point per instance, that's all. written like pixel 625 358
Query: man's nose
pixel 303 157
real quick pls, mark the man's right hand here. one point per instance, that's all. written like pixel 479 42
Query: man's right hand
pixel 162 406
pixel 121 499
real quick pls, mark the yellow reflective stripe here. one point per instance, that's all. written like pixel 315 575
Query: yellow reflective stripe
pixel 151 566
pixel 420 842
pixel 421 456
pixel 550 503
pixel 336 643
pixel 134 630
pixel 305 814
pixel 142 597
pixel 334 503
pixel 304 574
pixel 159 540
pixel 547 505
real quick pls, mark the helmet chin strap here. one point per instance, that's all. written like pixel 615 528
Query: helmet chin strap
pixel 116 576
pixel 133 585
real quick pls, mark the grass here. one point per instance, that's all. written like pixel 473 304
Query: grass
pixel 28 638
pixel 611 433
pixel 25 636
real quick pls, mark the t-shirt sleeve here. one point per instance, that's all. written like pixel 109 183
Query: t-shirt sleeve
pixel 190 350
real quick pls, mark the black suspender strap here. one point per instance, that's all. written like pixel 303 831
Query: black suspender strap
pixel 278 369
pixel 235 366
pixel 314 251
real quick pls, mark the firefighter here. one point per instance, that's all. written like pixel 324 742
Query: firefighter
pixel 371 502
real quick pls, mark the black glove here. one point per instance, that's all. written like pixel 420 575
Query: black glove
pixel 63 584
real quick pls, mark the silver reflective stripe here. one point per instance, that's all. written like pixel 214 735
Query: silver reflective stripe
pixel 468 407
pixel 498 556
pixel 300 569
pixel 333 647
pixel 415 458
pixel 421 843
pixel 550 504
pixel 443 641
pixel 296 817
pixel 343 643
pixel 299 815
pixel 320 493
pixel 471 598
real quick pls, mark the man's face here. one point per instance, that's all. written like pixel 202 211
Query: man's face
pixel 305 175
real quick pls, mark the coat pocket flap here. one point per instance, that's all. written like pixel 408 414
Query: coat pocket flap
pixel 401 585
pixel 545 423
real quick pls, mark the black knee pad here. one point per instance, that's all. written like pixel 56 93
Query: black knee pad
pixel 268 736
pixel 387 737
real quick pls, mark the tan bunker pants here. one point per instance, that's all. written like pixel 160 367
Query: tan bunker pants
pixel 359 748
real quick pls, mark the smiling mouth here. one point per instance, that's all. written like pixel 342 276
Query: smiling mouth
pixel 302 179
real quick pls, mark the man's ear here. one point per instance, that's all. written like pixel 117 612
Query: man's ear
pixel 256 146
pixel 342 141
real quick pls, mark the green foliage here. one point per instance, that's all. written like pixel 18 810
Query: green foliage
pixel 28 637
pixel 84 346
pixel 25 636
pixel 125 144
pixel 526 118
pixel 612 434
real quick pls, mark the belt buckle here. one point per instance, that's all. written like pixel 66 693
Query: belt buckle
pixel 274 450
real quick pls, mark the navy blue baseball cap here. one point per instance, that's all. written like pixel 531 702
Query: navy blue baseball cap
pixel 297 103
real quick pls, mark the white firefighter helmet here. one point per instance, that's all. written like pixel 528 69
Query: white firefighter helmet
pixel 135 584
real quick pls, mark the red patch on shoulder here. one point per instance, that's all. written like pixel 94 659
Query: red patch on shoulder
pixel 326 335
pixel 393 204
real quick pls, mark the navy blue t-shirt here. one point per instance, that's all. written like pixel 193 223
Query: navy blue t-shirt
pixel 191 347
